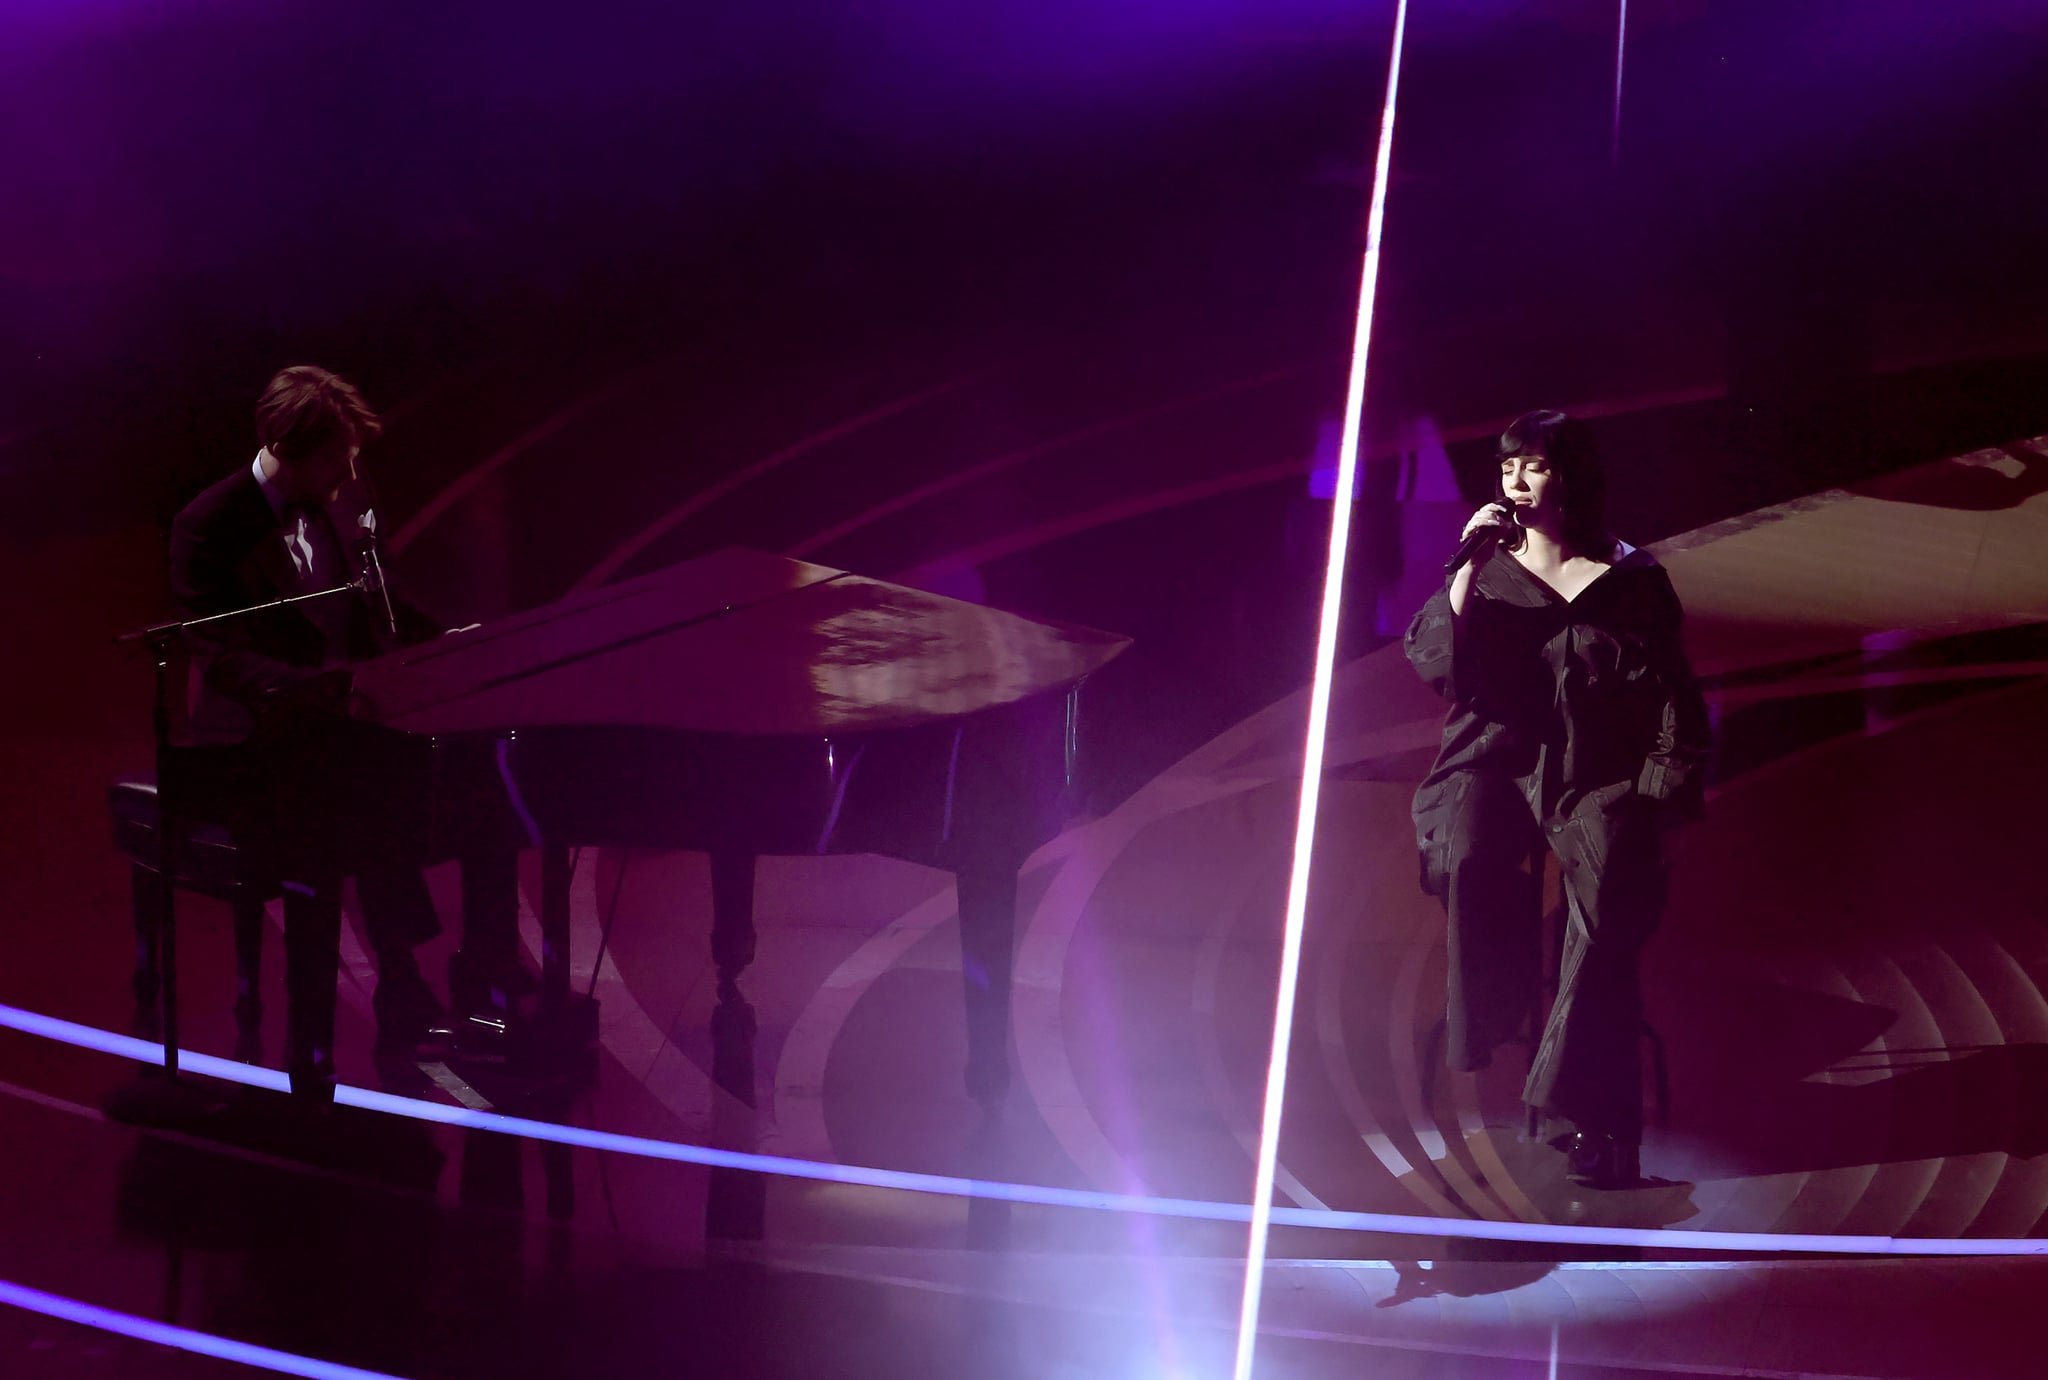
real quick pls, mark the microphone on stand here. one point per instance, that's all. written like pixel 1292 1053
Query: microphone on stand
pixel 1480 539
pixel 370 568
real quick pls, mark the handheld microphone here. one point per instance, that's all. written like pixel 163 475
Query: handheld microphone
pixel 1480 539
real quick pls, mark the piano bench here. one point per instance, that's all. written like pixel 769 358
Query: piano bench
pixel 209 860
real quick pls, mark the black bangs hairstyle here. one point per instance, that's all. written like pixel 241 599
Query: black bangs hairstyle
pixel 1567 444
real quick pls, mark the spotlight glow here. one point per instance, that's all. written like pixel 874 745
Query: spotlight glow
pixel 947 1185
pixel 1318 725
pixel 182 1338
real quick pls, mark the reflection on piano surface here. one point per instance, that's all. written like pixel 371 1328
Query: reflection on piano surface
pixel 740 704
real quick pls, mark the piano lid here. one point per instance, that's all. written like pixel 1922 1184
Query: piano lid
pixel 735 642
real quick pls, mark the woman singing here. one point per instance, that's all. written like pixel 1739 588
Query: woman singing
pixel 1574 725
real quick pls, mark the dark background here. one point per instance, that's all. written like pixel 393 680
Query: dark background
pixel 1817 259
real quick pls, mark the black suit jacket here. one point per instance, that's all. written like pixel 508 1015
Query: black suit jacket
pixel 228 552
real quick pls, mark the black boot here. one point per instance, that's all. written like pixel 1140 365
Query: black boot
pixel 1595 1159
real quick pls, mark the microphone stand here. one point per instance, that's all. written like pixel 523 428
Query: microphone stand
pixel 370 554
pixel 373 581
pixel 171 1098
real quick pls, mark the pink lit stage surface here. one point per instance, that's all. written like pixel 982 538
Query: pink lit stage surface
pixel 1847 992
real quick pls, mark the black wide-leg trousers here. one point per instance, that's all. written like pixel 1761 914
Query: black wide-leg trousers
pixel 1484 860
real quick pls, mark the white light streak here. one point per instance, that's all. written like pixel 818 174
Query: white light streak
pixel 1318 725
pixel 1620 46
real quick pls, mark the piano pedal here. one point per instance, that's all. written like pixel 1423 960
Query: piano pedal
pixel 529 1035
pixel 483 1037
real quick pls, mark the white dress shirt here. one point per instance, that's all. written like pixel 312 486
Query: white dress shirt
pixel 298 535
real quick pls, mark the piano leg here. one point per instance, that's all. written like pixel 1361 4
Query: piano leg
pixel 732 922
pixel 736 1206
pixel 312 962
pixel 988 927
pixel 490 916
pixel 249 922
pixel 561 1031
pixel 146 901
pixel 554 926
pixel 732 949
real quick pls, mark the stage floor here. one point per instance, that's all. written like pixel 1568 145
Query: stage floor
pixel 1846 997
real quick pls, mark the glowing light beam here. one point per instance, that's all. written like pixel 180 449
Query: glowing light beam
pixel 182 1338
pixel 1620 46
pixel 1318 726
pixel 1041 1195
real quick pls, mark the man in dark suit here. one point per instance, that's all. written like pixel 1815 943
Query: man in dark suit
pixel 292 522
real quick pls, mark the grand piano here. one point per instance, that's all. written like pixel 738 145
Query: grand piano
pixel 740 704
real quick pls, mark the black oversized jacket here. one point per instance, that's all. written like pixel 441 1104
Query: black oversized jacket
pixel 1587 697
